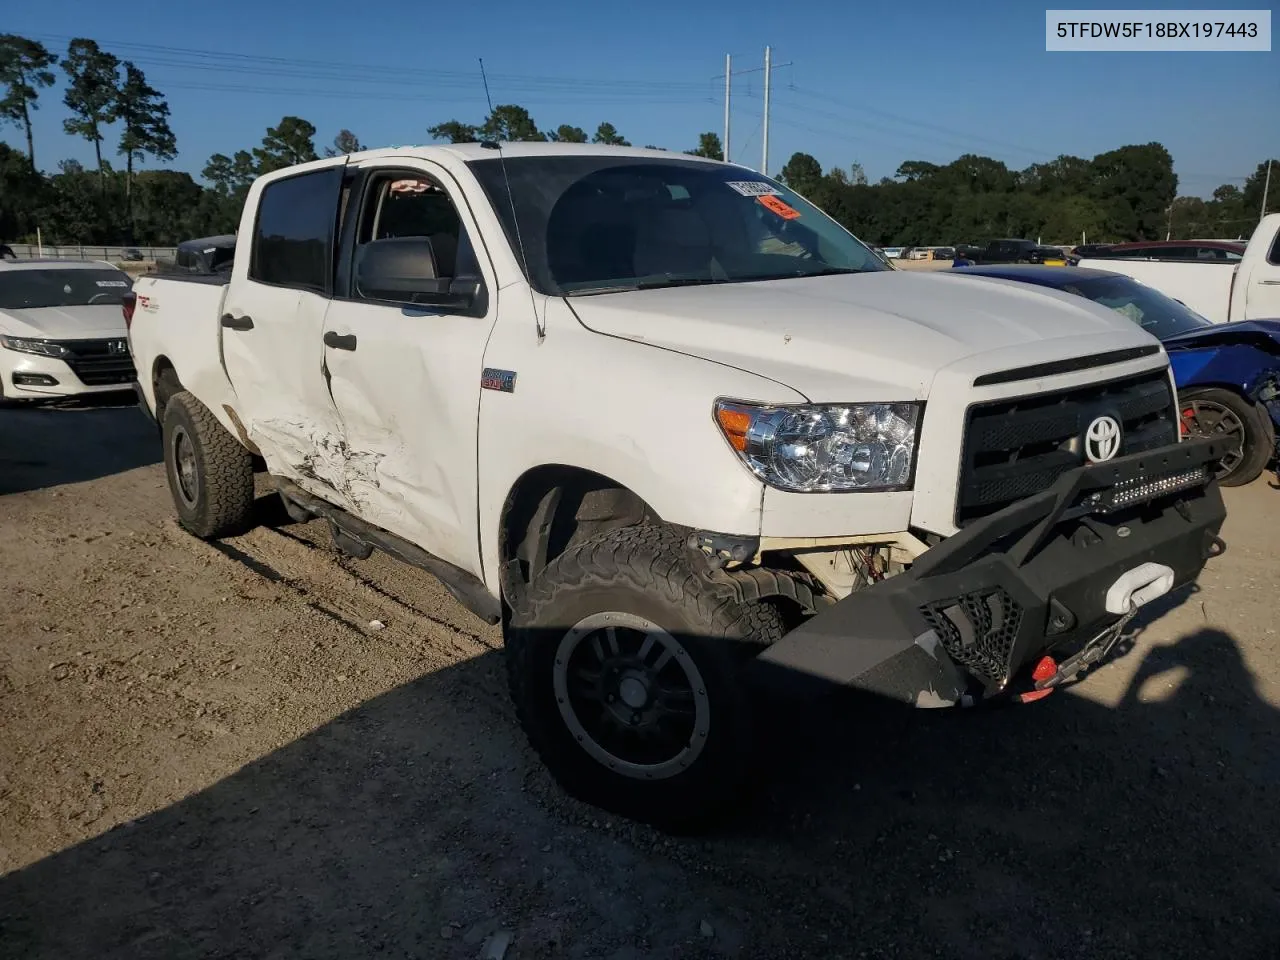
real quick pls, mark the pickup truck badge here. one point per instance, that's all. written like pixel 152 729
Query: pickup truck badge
pixel 1102 439
pixel 501 380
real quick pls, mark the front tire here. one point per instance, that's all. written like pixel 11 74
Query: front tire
pixel 1223 415
pixel 623 663
pixel 210 473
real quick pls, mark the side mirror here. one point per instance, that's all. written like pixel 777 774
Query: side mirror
pixel 404 270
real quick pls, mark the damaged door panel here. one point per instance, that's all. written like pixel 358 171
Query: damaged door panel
pixel 272 324
pixel 403 351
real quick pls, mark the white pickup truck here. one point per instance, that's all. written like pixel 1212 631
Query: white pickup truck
pixel 682 434
pixel 1218 290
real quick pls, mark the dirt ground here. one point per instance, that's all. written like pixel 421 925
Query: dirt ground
pixel 211 750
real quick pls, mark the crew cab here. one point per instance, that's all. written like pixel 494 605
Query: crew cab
pixel 1223 289
pixel 684 436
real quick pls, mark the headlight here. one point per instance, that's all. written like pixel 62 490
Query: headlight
pixel 824 448
pixel 41 347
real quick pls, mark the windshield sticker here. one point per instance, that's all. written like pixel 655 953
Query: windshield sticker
pixel 774 205
pixel 753 188
pixel 113 283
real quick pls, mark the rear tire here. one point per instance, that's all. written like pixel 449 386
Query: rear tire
pixel 210 473
pixel 623 662
pixel 1223 415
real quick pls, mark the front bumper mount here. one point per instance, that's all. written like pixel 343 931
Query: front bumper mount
pixel 1052 572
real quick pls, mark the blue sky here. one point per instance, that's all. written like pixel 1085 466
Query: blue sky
pixel 877 84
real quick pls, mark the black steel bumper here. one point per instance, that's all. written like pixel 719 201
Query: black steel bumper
pixel 975 610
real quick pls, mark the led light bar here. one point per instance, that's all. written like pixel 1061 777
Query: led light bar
pixel 1139 491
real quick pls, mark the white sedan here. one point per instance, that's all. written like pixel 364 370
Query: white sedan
pixel 62 330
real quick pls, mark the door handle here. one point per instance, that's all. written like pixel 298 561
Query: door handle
pixel 340 341
pixel 237 323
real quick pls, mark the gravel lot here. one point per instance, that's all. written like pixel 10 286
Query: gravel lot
pixel 206 750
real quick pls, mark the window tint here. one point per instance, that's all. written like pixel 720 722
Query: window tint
pixel 293 237
pixel 1274 255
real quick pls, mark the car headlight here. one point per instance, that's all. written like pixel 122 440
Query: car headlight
pixel 41 347
pixel 824 448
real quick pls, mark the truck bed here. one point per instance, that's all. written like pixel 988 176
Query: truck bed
pixel 176 324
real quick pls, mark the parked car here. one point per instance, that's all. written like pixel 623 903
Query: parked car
pixel 1227 375
pixel 132 255
pixel 944 253
pixel 208 255
pixel 892 253
pixel 61 329
pixel 679 432
pixel 1016 251
pixel 1220 289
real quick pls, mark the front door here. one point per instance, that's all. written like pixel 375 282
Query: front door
pixel 405 375
pixel 272 327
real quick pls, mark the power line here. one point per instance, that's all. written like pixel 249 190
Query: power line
pixel 188 58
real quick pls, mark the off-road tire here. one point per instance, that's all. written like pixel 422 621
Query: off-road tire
pixel 644 571
pixel 1258 440
pixel 222 501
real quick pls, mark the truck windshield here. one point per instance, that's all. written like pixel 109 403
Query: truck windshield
pixel 592 224
pixel 1160 316
pixel 31 289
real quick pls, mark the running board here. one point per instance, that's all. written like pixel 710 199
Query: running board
pixel 356 537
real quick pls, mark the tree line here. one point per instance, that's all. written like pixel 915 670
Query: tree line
pixel 1125 194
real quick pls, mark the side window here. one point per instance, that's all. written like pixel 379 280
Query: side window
pixel 411 246
pixel 400 206
pixel 293 235
pixel 1273 257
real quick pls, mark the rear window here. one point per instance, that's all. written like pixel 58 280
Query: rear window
pixel 32 289
pixel 293 236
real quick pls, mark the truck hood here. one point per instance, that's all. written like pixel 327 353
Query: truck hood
pixel 872 336
pixel 64 323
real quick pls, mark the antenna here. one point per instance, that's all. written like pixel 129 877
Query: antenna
pixel 515 218
pixel 485 81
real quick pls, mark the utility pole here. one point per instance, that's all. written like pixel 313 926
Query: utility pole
pixel 764 158
pixel 728 75
pixel 1266 187
pixel 768 68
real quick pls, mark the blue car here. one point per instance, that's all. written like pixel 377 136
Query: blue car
pixel 1228 374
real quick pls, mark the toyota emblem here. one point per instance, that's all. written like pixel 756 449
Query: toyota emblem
pixel 1102 439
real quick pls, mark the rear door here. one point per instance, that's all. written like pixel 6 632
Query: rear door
pixel 406 376
pixel 272 325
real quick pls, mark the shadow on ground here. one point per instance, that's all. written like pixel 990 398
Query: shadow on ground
pixel 1061 829
pixel 73 441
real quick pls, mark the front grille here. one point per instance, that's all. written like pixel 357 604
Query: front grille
pixel 978 631
pixel 97 364
pixel 1018 447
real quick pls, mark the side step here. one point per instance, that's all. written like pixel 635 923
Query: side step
pixel 357 538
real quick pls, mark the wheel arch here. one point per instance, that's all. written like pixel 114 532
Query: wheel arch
pixel 164 383
pixel 551 507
